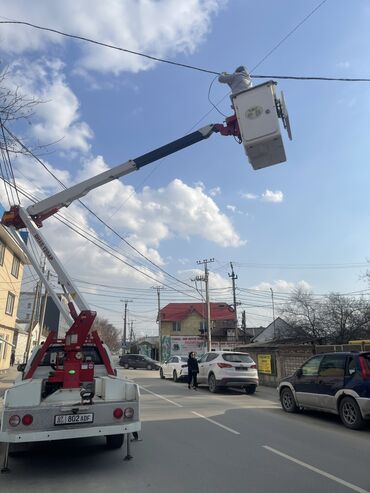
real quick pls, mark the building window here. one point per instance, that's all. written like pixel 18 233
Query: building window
pixel 10 304
pixel 2 252
pixel 15 266
pixel 29 305
pixel 176 326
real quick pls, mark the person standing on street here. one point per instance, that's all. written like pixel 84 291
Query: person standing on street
pixel 12 358
pixel 193 370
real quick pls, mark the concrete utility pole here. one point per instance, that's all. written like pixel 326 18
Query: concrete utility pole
pixel 126 302
pixel 273 311
pixel 234 277
pixel 244 326
pixel 158 288
pixel 33 316
pixel 131 332
pixel 205 279
pixel 43 310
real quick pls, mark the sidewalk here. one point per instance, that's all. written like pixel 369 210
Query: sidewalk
pixel 7 379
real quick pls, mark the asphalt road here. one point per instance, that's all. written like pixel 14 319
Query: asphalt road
pixel 201 442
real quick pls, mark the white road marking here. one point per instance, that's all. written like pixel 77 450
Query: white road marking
pixel 161 396
pixel 316 470
pixel 217 424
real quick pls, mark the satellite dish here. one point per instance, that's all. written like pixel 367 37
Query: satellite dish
pixel 284 115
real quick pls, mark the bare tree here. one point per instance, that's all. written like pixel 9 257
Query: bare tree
pixel 304 312
pixel 345 318
pixel 335 319
pixel 108 333
pixel 14 107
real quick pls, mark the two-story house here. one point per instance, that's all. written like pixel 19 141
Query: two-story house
pixel 183 327
pixel 12 260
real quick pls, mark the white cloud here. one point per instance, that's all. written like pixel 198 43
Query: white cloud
pixel 281 285
pixel 214 191
pixel 270 196
pixel 216 281
pixel 344 64
pixel 153 215
pixel 57 117
pixel 200 184
pixel 231 208
pixel 160 29
pixel 249 196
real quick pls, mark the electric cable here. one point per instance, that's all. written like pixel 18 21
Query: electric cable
pixel 66 223
pixel 193 67
pixel 289 34
pixel 94 214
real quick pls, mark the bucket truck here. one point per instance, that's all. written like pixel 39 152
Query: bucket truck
pixel 69 387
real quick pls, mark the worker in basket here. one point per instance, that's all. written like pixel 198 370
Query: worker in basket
pixel 239 81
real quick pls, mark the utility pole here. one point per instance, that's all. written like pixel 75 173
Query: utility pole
pixel 43 310
pixel 131 332
pixel 234 277
pixel 244 326
pixel 126 302
pixel 158 288
pixel 33 316
pixel 205 279
pixel 273 311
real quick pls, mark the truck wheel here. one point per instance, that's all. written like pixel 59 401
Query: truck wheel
pixel 114 441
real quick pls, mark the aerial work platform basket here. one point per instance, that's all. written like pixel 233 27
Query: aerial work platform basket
pixel 258 110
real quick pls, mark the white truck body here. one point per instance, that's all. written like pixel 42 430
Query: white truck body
pixel 63 414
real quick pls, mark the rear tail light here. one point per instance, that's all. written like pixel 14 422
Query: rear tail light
pixel 253 367
pixel 129 412
pixel 224 365
pixel 365 370
pixel 14 420
pixel 118 413
pixel 27 419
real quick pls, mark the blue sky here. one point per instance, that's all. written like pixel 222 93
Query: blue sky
pixel 108 107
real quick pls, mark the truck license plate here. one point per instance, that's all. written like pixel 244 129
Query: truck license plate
pixel 71 419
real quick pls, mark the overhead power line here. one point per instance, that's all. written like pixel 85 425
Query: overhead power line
pixel 269 53
pixel 193 67
pixel 95 215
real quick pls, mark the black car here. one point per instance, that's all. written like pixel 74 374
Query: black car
pixel 138 361
pixel 338 383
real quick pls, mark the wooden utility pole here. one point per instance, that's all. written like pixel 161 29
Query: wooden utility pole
pixel 205 279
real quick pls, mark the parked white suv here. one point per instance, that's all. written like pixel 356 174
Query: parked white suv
pixel 228 369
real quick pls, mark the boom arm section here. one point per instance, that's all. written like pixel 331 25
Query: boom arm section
pixel 47 207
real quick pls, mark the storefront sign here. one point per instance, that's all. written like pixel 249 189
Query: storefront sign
pixel 264 363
